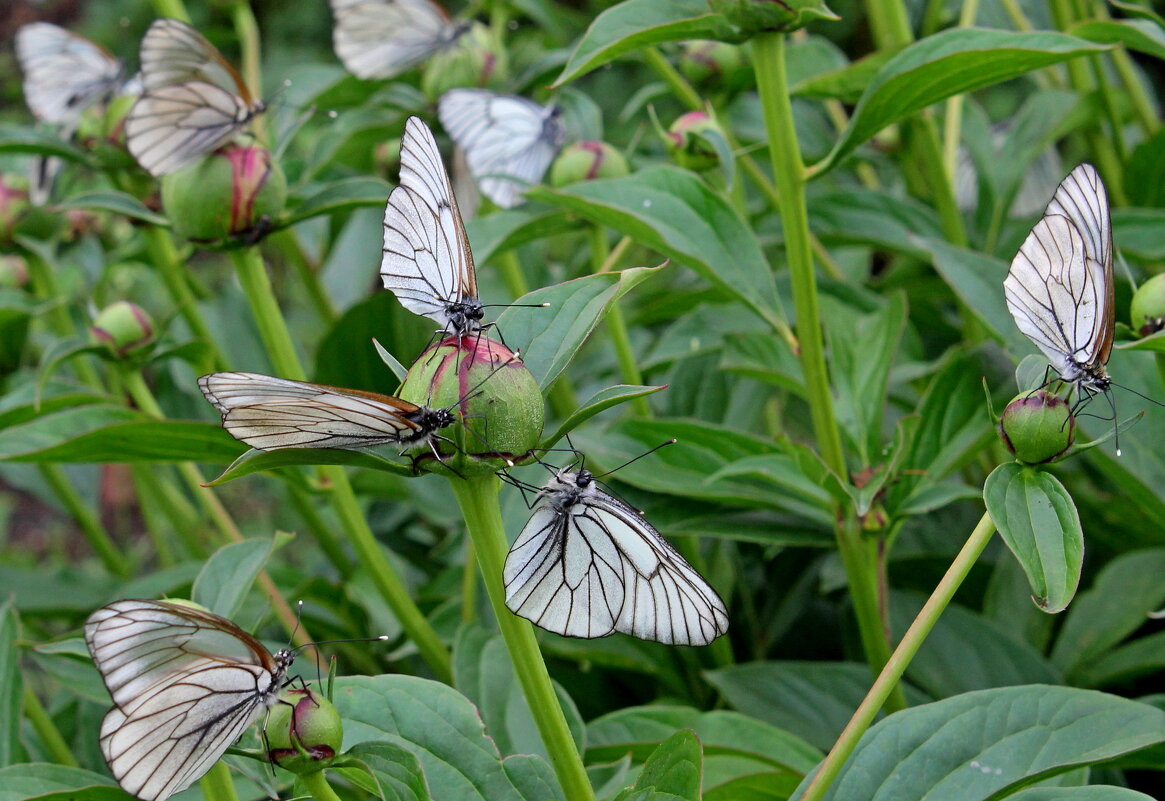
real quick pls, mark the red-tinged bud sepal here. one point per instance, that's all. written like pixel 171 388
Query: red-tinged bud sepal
pixel 496 399
pixel 230 194
pixel 1147 312
pixel 587 161
pixel 1037 427
pixel 475 61
pixel 124 328
pixel 304 732
pixel 693 140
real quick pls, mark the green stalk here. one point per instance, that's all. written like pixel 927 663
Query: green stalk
pixel 318 786
pixel 171 8
pixel 216 785
pixel 90 525
pixel 307 274
pixel 147 490
pixel 469 585
pixel 478 499
pixel 903 654
pixel 329 543
pixel 247 29
pixel 170 265
pixel 511 270
pixel 617 326
pixel 252 275
pixel 44 284
pixel 954 116
pixel 46 730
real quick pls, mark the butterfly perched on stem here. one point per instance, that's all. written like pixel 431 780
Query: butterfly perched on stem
pixel 64 73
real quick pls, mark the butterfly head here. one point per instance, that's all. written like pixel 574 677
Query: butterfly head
pixel 464 317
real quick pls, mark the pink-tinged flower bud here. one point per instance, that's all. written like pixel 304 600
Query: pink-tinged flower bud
pixel 13 272
pixel 490 390
pixel 13 202
pixel 227 194
pixel 304 732
pixel 687 141
pixel 123 327
pixel 759 16
pixel 710 63
pixel 586 161
pixel 475 61
pixel 1147 311
pixel 1037 427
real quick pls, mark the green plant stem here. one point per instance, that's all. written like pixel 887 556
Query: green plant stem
pixel 469 585
pixel 95 533
pixel 1142 105
pixel 329 543
pixel 170 265
pixel 150 501
pixel 252 275
pixel 617 326
pixel 512 275
pixel 953 118
pixel 46 730
pixel 44 283
pixel 478 499
pixel 247 30
pixel 900 659
pixel 307 274
pixel 318 786
pixel 217 785
pixel 171 8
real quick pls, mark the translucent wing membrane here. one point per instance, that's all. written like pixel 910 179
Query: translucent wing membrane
pixel 63 73
pixel 508 141
pixel 588 565
pixel 378 39
pixel 173 52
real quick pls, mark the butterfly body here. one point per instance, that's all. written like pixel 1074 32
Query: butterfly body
pixel 64 73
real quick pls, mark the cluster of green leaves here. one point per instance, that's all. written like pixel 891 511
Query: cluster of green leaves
pixel 1006 700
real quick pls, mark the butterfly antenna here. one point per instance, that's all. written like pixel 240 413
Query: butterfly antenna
pixel 640 456
pixel 381 638
pixel 1139 395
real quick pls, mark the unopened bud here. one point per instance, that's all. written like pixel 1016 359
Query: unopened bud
pixel 586 161
pixel 123 327
pixel 13 202
pixel 304 732
pixel 226 194
pixel 1147 311
pixel 475 61
pixel 1037 427
pixel 688 141
pixel 13 272
pixel 710 63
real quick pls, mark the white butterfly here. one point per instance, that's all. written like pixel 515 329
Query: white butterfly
pixel 185 684
pixel 194 101
pixel 427 262
pixel 64 73
pixel 1059 287
pixel 270 413
pixel 377 39
pixel 587 565
pixel 508 141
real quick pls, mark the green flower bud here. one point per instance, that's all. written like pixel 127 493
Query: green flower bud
pixel 227 194
pixel 1037 427
pixel 123 327
pixel 13 202
pixel 686 141
pixel 492 392
pixel 474 61
pixel 304 732
pixel 586 161
pixel 13 272
pixel 709 63
pixel 1147 311
pixel 759 16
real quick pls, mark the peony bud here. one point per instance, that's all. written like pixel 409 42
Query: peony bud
pixel 492 392
pixel 1147 311
pixel 709 63
pixel 123 327
pixel 1037 427
pixel 586 161
pixel 13 202
pixel 687 141
pixel 759 16
pixel 474 61
pixel 304 732
pixel 13 272
pixel 227 194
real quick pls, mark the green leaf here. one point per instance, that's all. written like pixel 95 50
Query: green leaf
pixel 1141 35
pixel 677 214
pixel 1037 519
pixel 11 685
pixel 227 576
pixel 437 724
pixel 601 400
pixel 877 219
pixel 396 771
pixel 346 356
pixel 1133 9
pixel 845 83
pixel 505 230
pixel 945 64
pixel 635 24
pixel 256 461
pixel 977 745
pixel 342 195
pixel 22 139
pixel 116 202
pixel 676 767
pixel 549 338
pixel 1093 792
pixel 1145 172
pixel 1142 656
pixel 1138 232
pixel 57 783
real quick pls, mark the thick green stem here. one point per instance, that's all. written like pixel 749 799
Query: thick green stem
pixel 247 29
pixel 900 659
pixel 469 585
pixel 954 117
pixel 171 8
pixel 478 499
pixel 318 786
pixel 512 276
pixel 617 326
pixel 173 271
pixel 307 274
pixel 276 337
pixel 87 520
pixel 148 493
pixel 44 283
pixel 329 543
pixel 50 736
pixel 217 785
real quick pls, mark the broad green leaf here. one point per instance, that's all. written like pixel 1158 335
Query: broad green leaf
pixel 1137 232
pixel 346 356
pixel 227 576
pixel 117 202
pixel 1133 9
pixel 23 139
pixel 348 193
pixel 437 724
pixel 395 770
pixel 878 219
pixel 57 783
pixel 1142 656
pixel 1145 172
pixel 635 24
pixel 19 404
pixel 600 401
pixel 977 745
pixel 945 64
pixel 505 230
pixel 676 213
pixel 676 767
pixel 845 83
pixel 256 461
pixel 1037 519
pixel 1092 792
pixel 11 685
pixel 549 338
pixel 1141 35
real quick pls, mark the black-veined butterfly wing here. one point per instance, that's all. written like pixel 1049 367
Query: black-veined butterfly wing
pixel 63 73
pixel 1059 286
pixel 509 141
pixel 172 52
pixel 185 684
pixel 587 565
pixel 378 39
pixel 426 260
pixel 270 413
